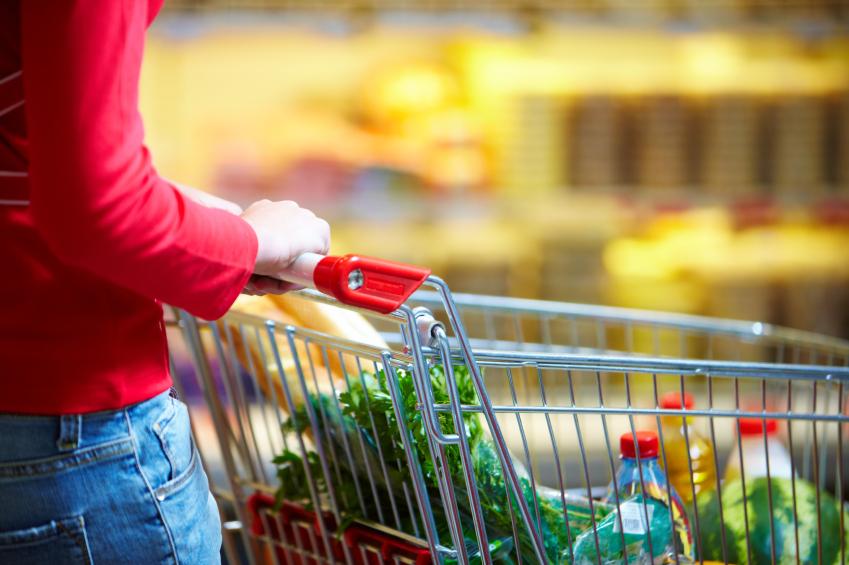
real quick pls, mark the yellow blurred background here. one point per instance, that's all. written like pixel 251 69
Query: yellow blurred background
pixel 695 161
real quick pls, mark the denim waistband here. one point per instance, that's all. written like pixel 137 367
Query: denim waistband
pixel 24 436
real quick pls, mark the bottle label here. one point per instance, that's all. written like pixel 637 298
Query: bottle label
pixel 633 516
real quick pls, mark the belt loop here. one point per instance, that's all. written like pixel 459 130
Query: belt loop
pixel 70 432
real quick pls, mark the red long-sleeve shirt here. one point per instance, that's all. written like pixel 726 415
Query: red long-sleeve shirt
pixel 92 240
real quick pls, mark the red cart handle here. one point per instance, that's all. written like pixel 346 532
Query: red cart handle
pixel 374 284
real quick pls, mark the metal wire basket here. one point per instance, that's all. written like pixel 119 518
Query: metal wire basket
pixel 380 445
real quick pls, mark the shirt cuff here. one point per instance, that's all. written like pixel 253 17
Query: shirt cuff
pixel 227 247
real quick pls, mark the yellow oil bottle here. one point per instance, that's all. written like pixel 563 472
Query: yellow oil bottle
pixel 685 452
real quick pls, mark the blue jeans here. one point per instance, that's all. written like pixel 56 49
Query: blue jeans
pixel 124 486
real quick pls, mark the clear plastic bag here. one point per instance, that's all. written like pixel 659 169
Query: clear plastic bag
pixel 624 536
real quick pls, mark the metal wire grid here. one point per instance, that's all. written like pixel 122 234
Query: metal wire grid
pixel 587 397
pixel 550 404
pixel 538 325
pixel 248 418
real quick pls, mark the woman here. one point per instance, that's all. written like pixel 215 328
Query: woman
pixel 97 463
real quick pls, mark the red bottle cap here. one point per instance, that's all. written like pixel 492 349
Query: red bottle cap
pixel 647 441
pixel 672 401
pixel 755 426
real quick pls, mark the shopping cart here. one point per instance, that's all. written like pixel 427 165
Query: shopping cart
pixel 549 386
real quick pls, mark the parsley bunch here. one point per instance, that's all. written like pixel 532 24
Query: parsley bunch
pixel 358 427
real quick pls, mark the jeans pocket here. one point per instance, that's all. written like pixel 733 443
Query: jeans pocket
pixel 192 516
pixel 60 541
pixel 174 432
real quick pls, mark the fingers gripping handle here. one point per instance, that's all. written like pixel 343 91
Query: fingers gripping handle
pixel 301 270
pixel 374 284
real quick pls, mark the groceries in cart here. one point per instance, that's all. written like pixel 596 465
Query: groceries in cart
pixel 366 413
pixel 403 447
pixel 359 411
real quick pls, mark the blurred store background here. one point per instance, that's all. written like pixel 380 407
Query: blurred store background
pixel 683 155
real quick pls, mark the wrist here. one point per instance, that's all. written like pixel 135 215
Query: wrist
pixel 265 260
pixel 258 247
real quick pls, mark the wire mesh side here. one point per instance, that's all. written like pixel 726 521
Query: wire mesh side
pixel 536 325
pixel 283 404
pixel 561 415
pixel 563 419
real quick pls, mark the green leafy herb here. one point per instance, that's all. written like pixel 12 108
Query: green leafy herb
pixel 359 427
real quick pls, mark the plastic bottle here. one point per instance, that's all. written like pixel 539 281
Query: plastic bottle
pixel 682 450
pixel 628 476
pixel 642 484
pixel 755 453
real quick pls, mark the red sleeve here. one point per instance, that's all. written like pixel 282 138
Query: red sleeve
pixel 95 195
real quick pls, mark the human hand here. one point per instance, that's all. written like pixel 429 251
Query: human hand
pixel 260 285
pixel 284 231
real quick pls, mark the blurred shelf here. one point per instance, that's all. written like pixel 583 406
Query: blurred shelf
pixel 688 155
pixel 809 16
